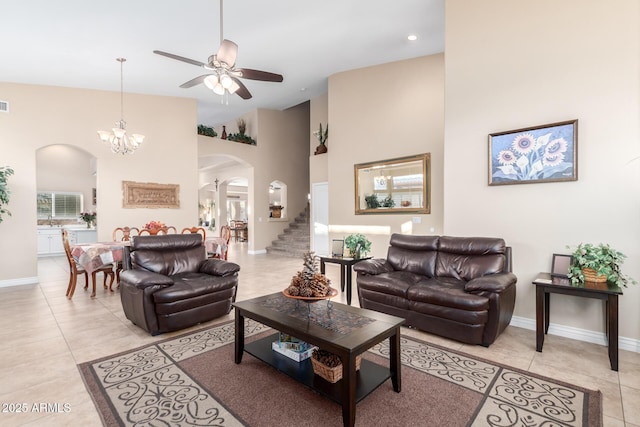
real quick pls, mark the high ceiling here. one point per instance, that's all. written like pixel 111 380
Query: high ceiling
pixel 74 43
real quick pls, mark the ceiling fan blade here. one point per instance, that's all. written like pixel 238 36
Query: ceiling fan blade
pixel 241 89
pixel 180 58
pixel 227 52
pixel 248 73
pixel 196 81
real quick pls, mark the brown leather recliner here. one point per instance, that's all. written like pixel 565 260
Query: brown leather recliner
pixel 170 284
pixel 457 287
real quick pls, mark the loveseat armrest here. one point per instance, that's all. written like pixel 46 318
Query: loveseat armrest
pixel 373 266
pixel 218 267
pixel 491 283
pixel 142 279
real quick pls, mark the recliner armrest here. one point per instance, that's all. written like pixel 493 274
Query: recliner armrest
pixel 218 267
pixel 142 279
pixel 373 266
pixel 491 283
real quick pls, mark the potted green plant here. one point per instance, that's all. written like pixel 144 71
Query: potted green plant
pixel 388 202
pixel 358 245
pixel 5 193
pixel 601 263
pixel 207 131
pixel 372 201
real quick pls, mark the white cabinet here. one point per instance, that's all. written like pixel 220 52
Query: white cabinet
pixel 50 242
pixel 77 237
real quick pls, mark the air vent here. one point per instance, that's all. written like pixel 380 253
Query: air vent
pixel 4 106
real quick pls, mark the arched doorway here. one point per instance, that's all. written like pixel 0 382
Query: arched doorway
pixel 66 182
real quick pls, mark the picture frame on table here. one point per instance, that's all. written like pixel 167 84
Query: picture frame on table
pixel 545 153
pixel 560 264
pixel 337 248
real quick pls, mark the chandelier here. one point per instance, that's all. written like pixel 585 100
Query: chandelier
pixel 118 139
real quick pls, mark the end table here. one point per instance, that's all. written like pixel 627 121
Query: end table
pixel 546 285
pixel 345 271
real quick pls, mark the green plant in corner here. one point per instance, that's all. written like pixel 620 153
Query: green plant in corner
pixel 602 258
pixel 358 245
pixel 5 193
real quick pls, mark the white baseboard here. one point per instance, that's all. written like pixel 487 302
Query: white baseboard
pixel 258 252
pixel 600 338
pixel 18 282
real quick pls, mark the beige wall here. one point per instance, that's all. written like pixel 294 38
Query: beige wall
pixel 42 115
pixel 281 153
pixel 370 121
pixel 517 64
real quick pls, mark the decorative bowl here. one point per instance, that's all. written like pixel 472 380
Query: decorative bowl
pixel 332 293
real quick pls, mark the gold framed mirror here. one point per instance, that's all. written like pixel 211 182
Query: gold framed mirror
pixel 393 186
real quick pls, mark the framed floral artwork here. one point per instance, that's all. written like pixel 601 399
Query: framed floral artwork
pixel 547 153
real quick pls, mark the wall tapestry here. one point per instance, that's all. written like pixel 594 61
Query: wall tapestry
pixel 150 195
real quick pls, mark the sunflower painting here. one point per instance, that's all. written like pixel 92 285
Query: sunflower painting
pixel 545 153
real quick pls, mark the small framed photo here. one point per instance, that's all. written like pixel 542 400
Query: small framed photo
pixel 560 265
pixel 337 248
pixel 547 153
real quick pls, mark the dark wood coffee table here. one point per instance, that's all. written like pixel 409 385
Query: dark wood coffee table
pixel 341 329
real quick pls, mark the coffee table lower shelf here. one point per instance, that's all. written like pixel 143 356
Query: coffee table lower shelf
pixel 368 378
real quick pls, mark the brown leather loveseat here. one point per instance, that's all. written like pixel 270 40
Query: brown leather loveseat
pixel 169 284
pixel 457 287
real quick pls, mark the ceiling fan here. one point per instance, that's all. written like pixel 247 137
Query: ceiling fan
pixel 224 76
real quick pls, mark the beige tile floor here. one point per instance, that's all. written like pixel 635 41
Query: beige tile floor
pixel 44 336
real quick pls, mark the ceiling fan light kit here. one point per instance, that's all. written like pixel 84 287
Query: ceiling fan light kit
pixel 118 139
pixel 224 79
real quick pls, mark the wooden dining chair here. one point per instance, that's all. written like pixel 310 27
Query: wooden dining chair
pixel 123 234
pixel 155 231
pixel 75 270
pixel 194 230
pixel 225 233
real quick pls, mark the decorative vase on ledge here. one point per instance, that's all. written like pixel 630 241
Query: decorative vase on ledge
pixel 224 133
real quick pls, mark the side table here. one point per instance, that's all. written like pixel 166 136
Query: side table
pixel 546 285
pixel 345 271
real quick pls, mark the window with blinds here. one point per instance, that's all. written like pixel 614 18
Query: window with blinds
pixel 59 205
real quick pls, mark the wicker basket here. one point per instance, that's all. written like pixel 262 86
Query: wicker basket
pixel 333 375
pixel 593 280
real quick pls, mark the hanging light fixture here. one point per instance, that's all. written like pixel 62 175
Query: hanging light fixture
pixel 118 139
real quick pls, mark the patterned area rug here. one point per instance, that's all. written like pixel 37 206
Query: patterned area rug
pixel 191 380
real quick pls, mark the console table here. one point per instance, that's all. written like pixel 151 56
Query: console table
pixel 546 285
pixel 345 271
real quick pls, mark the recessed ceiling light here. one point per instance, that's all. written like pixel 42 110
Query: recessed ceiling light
pixel 412 37
pixel 302 89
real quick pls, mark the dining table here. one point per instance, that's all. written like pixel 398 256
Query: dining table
pixel 216 246
pixel 92 256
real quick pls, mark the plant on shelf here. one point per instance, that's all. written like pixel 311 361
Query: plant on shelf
pixel 5 193
pixel 358 245
pixel 322 137
pixel 242 126
pixel 372 201
pixel 88 217
pixel 388 202
pixel 245 139
pixel 603 259
pixel 207 131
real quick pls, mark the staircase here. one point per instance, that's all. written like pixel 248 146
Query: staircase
pixel 294 241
